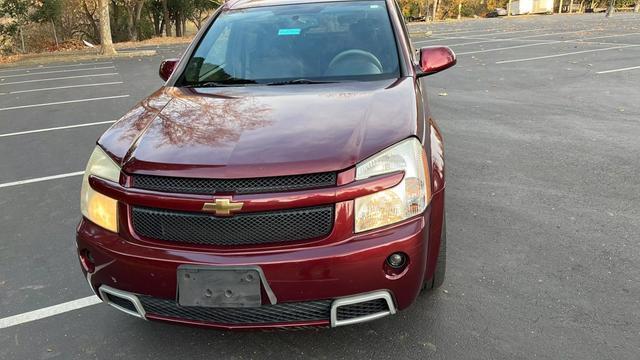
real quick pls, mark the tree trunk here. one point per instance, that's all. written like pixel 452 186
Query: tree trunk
pixel 55 34
pixel 131 32
pixel 611 8
pixel 167 20
pixel 157 25
pixel 509 8
pixel 105 28
pixel 426 12
pixel 178 23
pixel 435 9
pixel 560 8
pixel 24 50
pixel 184 27
pixel 636 6
pixel 136 23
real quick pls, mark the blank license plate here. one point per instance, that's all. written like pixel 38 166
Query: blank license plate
pixel 217 287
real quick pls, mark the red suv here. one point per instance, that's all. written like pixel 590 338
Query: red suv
pixel 288 174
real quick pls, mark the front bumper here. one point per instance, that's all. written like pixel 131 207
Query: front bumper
pixel 332 274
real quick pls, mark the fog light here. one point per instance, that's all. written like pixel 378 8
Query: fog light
pixel 397 260
pixel 87 261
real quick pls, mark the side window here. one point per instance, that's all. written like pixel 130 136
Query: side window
pixel 209 61
pixel 218 53
pixel 216 58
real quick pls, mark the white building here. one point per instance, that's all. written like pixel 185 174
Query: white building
pixel 521 7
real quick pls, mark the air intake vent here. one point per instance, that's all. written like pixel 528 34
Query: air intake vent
pixel 236 186
pixel 357 310
pixel 122 302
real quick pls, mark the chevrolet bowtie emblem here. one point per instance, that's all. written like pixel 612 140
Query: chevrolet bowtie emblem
pixel 222 207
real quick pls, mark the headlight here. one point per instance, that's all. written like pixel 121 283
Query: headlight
pixel 409 198
pixel 100 209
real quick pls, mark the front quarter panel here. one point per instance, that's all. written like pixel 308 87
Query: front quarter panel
pixel 119 138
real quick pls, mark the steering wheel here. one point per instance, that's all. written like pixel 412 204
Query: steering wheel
pixel 356 53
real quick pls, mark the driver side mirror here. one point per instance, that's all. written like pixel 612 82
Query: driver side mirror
pixel 434 59
pixel 167 67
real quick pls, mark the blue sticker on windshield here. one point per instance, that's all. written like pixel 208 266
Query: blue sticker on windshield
pixel 289 32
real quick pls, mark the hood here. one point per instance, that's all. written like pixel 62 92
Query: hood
pixel 262 130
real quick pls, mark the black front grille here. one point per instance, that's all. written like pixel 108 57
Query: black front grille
pixel 352 311
pixel 241 229
pixel 265 314
pixel 237 186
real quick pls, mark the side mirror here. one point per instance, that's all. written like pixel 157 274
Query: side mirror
pixel 167 67
pixel 434 59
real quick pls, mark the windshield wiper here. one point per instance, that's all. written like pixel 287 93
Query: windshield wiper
pixel 299 82
pixel 223 83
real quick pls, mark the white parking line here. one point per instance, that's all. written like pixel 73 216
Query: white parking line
pixel 564 54
pixel 507 48
pixel 486 30
pixel 58 78
pixel 471 37
pixel 618 70
pixel 49 311
pixel 56 72
pixel 545 42
pixel 57 128
pixel 54 67
pixel 63 102
pixel 41 179
pixel 517 38
pixel 62 87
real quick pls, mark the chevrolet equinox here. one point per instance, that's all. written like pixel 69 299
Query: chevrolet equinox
pixel 288 174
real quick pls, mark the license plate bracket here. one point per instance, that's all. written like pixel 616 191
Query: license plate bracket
pixel 219 287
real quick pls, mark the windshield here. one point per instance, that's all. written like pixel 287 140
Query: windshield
pixel 296 44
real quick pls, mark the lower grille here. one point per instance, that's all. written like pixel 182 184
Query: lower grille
pixel 346 312
pixel 265 314
pixel 242 229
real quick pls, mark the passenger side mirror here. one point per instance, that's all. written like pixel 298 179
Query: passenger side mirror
pixel 434 59
pixel 167 67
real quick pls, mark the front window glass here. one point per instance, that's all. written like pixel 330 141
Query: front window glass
pixel 305 43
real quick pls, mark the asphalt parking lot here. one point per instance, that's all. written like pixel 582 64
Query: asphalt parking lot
pixel 541 119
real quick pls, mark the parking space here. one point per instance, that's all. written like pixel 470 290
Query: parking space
pixel 540 118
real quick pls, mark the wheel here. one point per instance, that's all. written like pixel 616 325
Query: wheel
pixel 441 263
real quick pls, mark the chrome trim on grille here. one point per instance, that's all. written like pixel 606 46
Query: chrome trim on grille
pixel 104 290
pixel 382 294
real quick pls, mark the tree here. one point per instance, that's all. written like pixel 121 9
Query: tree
pixel 48 11
pixel 134 12
pixel 200 10
pixel 90 16
pixel 105 28
pixel 18 11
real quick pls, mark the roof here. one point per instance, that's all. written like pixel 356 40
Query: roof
pixel 244 4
